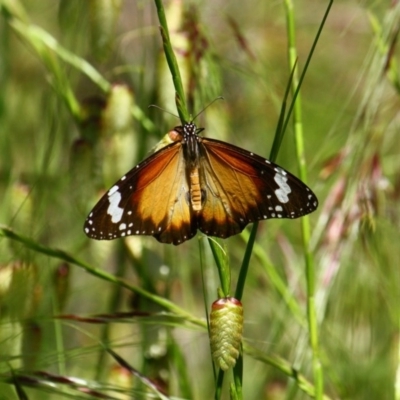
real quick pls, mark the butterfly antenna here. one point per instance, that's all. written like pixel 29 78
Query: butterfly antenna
pixel 163 109
pixel 208 105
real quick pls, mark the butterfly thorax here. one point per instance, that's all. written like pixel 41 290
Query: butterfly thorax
pixel 190 144
pixel 191 153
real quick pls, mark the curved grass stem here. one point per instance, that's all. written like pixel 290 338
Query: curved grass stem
pixel 305 223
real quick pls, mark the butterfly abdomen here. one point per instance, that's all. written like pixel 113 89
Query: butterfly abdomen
pixel 195 190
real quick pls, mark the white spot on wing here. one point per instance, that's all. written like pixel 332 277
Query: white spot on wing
pixel 114 210
pixel 113 190
pixel 284 188
pixel 280 171
pixel 122 227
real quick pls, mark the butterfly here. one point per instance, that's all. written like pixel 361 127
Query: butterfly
pixel 196 183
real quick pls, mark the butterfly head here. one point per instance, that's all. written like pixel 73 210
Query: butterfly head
pixel 190 130
pixel 184 132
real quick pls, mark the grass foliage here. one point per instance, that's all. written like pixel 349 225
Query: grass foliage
pixel 128 318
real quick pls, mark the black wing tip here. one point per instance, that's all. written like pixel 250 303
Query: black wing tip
pixel 90 231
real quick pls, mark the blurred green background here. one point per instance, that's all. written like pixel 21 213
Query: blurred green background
pixel 76 80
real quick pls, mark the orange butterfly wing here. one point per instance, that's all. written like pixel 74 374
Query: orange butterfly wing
pixel 151 199
pixel 241 187
pixel 230 187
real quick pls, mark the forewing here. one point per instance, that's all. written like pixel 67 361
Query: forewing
pixel 150 200
pixel 241 187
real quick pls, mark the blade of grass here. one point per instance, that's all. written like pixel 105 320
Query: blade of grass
pixel 18 387
pixel 305 224
pixel 273 154
pixel 144 379
pixel 245 263
pixel 218 386
pixel 281 127
pixel 206 302
pixel 221 259
pixel 277 281
pixel 237 385
pixel 62 255
pixel 306 65
pixel 180 98
pixel 114 302
pixel 283 366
